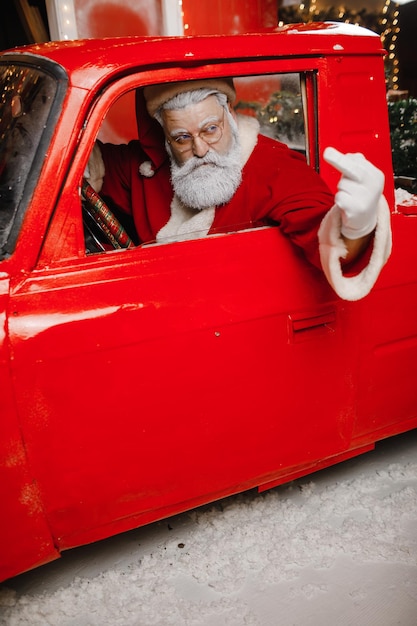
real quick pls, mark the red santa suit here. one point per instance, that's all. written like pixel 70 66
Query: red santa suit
pixel 278 187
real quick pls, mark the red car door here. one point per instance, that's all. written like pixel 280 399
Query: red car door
pixel 154 379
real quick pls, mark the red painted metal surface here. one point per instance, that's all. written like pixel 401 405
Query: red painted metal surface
pixel 140 383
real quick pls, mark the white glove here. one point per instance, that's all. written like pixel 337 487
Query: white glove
pixel 359 191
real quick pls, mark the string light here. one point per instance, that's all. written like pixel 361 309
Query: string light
pixel 61 19
pixel 385 23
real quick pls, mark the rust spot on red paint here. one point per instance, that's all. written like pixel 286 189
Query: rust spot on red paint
pixel 29 497
pixel 15 455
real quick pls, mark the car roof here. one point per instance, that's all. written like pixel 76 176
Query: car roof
pixel 86 60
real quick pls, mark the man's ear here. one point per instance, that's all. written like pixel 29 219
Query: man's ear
pixel 231 110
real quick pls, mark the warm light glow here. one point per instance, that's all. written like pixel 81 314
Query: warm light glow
pixel 172 16
pixel 61 20
pixel 386 24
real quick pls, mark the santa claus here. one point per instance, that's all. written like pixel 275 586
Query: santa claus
pixel 200 168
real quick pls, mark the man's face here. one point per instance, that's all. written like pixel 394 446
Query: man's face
pixel 194 120
pixel 203 173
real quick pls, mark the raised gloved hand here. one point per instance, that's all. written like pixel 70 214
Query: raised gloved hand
pixel 359 191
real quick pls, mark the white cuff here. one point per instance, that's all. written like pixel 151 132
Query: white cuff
pixel 332 249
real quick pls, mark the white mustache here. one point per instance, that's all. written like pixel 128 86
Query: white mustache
pixel 210 158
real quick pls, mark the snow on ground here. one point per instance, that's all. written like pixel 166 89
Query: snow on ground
pixel 338 547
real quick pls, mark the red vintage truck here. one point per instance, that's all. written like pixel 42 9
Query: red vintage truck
pixel 138 382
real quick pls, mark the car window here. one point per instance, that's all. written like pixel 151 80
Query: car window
pixel 26 98
pixel 278 104
pixel 277 101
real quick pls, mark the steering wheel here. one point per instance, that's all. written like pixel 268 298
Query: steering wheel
pixel 98 216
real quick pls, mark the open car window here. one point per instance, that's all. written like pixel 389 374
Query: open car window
pixel 277 101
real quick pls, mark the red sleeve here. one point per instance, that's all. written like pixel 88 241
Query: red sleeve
pixel 286 191
pixel 121 163
pixel 299 201
pixel 146 198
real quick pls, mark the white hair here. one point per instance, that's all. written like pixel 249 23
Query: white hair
pixel 187 98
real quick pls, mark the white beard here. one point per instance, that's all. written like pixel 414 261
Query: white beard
pixel 208 181
pixel 187 222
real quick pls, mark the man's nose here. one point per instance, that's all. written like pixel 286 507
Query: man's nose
pixel 200 147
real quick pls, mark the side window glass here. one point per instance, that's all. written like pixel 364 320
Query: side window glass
pixel 26 98
pixel 118 212
pixel 277 101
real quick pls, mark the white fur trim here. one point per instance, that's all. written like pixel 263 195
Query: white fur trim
pixel 146 169
pixel 248 134
pixel 186 223
pixel 95 170
pixel 157 95
pixel 332 249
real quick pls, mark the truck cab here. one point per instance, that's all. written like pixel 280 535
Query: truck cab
pixel 142 381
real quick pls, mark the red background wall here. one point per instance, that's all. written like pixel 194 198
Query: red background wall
pixel 114 18
pixel 107 18
pixel 228 16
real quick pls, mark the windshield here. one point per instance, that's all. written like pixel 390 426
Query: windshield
pixel 26 98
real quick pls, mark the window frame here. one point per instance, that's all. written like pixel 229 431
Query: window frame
pixel 119 86
pixel 60 77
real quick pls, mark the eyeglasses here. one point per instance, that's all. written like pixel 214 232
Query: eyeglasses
pixel 210 134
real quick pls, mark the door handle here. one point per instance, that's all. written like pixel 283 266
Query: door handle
pixel 304 326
